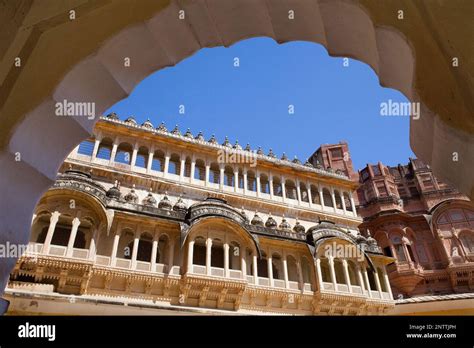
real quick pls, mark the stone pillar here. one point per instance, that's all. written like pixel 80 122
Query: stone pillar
pixel 310 196
pixel 352 204
pixel 236 180
pixel 72 237
pixel 167 165
pixel 93 244
pixel 361 280
pixel 154 252
pixel 387 282
pixel 134 157
pixel 343 203
pixel 208 255
pixel 377 283
pixel 113 256
pixel 190 256
pixel 226 260
pixel 333 199
pixel 332 272
pixel 255 269
pixel 243 265
pixel 345 266
pixel 285 272
pixel 270 184
pixel 95 150
pixel 193 169
pixel 171 255
pixel 298 191
pixel 283 189
pixel 182 167
pixel 135 252
pixel 49 235
pixel 270 271
pixel 257 178
pixel 113 153
pixel 206 178
pixel 367 283
pixel 221 178
pixel 321 197
pixel 319 274
pixel 150 162
pixel 245 181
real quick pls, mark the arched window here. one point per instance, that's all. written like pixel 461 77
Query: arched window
pixel 124 153
pixel 217 254
pixel 290 189
pixel 327 198
pixel 235 255
pixel 251 181
pixel 105 149
pixel 398 246
pixel 262 266
pixel 187 167
pixel 371 276
pixel 467 240
pixel 142 157
pixel 125 247
pixel 353 272
pixel 292 268
pixel 277 190
pixel 86 148
pixel 264 184
pixel 315 195
pixel 158 163
pixel 144 247
pixel 199 252
pixel 162 254
pixel 241 178
pixel 214 173
pixel 174 166
pixel 325 272
pixel 306 270
pixel 228 176
pixel 200 170
pixel 338 268
pixel 277 266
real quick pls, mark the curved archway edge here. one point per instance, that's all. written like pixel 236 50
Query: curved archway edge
pixel 155 37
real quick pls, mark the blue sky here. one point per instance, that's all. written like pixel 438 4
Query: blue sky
pixel 251 102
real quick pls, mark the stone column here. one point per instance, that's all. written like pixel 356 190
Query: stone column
pixel 72 237
pixel 333 199
pixel 343 203
pixel 345 266
pixel 206 178
pixel 182 167
pixel 236 180
pixel 259 188
pixel 283 189
pixel 243 265
pixel 113 256
pixel 298 191
pixel 134 156
pixel 367 282
pixel 49 235
pixel 113 153
pixel 332 272
pixel 321 197
pixel 310 196
pixel 270 271
pixel 190 256
pixel 93 244
pixel 285 273
pixel 193 169
pixel 377 283
pixel 255 269
pixel 221 178
pixel 361 280
pixel 245 181
pixel 95 150
pixel 319 274
pixel 167 165
pixel 208 255
pixel 352 204
pixel 154 252
pixel 226 260
pixel 270 184
pixel 387 282
pixel 135 252
pixel 150 161
pixel 171 255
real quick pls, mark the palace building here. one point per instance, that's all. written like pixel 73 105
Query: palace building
pixel 143 220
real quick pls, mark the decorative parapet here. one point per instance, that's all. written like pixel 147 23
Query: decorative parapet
pixel 79 181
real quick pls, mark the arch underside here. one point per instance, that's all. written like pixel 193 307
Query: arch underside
pixel 343 27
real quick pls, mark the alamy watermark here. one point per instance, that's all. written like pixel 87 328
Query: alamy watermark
pixel 12 250
pixel 68 108
pixel 343 251
pixel 237 157
pixel 393 108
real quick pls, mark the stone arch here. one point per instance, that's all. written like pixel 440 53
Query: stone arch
pixel 345 28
